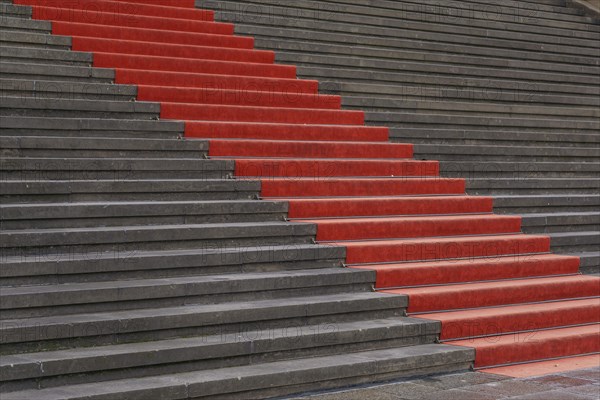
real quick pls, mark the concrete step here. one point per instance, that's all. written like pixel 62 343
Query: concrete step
pixel 15 24
pixel 117 169
pixel 521 87
pixel 590 262
pixel 12 11
pixel 487 138
pixel 283 377
pixel 382 97
pixel 530 186
pixel 472 153
pixel 445 120
pixel 397 73
pixel 101 147
pixel 66 108
pixel 58 268
pixel 518 169
pixel 34 40
pixel 78 298
pixel 484 107
pixel 124 326
pixel 53 72
pixel 529 203
pixel 29 55
pixel 128 190
pixel 575 242
pixel 90 127
pixel 166 237
pixel 561 222
pixel 135 360
pixel 42 89
pixel 85 215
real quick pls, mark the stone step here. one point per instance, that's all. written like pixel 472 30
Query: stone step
pixel 124 326
pixel 530 203
pixel 53 72
pixel 34 40
pixel 518 170
pixel 118 169
pixel 90 127
pixel 402 72
pixel 590 262
pixel 455 153
pixel 85 215
pixel 277 378
pixel 9 10
pixel 575 242
pixel 69 90
pixel 134 360
pixel 101 147
pixel 128 190
pixel 29 55
pixel 561 222
pixel 517 9
pixel 166 237
pixel 66 108
pixel 538 186
pixel 476 107
pixel 10 23
pixel 445 120
pixel 532 139
pixel 522 87
pixel 272 13
pixel 79 298
pixel 57 268
pixel 382 97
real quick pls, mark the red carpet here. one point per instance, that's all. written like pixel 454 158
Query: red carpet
pixel 491 287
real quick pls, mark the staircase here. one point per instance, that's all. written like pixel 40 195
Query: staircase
pixel 135 266
pixel 505 94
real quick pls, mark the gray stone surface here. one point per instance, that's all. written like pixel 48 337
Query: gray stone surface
pixel 573 385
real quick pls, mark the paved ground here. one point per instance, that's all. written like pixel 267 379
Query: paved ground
pixel 574 385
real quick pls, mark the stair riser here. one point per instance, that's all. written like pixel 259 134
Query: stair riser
pixel 361 208
pixel 521 323
pixel 48 72
pixel 413 251
pixel 412 228
pixel 285 132
pixel 131 9
pixel 518 266
pixel 322 187
pixel 153 36
pixel 525 350
pixel 499 296
pixel 329 169
pixel 187 66
pixel 141 21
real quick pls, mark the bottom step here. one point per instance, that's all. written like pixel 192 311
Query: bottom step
pixel 534 345
pixel 271 379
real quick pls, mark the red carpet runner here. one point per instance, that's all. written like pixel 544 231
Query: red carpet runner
pixel 492 287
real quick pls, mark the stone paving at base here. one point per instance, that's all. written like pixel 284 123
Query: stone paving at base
pixel 573 385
